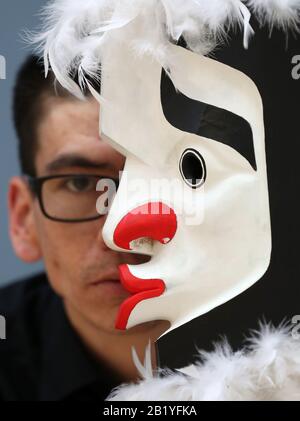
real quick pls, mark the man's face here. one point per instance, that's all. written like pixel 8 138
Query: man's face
pixel 80 267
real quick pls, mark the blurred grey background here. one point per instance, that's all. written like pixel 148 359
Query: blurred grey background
pixel 15 17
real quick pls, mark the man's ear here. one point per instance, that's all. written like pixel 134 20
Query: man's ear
pixel 22 227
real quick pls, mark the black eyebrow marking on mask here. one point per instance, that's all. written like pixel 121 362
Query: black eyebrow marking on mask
pixel 206 120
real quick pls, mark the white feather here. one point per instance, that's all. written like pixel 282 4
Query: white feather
pixel 146 369
pixel 76 33
pixel 281 13
pixel 267 369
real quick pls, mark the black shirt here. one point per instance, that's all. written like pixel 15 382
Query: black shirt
pixel 42 357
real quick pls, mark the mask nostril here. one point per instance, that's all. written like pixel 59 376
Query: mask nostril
pixel 142 245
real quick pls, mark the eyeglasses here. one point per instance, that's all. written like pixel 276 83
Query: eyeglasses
pixel 70 197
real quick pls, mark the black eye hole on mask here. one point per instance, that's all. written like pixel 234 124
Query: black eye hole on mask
pixel 192 168
pixel 206 120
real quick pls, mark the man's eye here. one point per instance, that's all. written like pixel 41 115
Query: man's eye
pixel 81 184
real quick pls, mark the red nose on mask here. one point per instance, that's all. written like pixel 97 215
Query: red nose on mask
pixel 153 220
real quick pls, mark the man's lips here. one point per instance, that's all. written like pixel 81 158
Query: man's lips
pixel 111 287
pixel 155 221
pixel 104 281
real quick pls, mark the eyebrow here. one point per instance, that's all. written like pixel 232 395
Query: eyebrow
pixel 207 120
pixel 75 160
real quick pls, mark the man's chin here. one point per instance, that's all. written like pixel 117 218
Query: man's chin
pixel 143 328
pixel 103 316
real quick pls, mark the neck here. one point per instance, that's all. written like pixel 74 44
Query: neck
pixel 115 348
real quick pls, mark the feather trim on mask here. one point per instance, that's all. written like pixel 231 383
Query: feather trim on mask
pixel 268 368
pixel 76 33
pixel 280 13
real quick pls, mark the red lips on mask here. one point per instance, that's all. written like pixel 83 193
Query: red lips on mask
pixel 153 220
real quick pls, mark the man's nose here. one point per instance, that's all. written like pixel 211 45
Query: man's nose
pixel 152 220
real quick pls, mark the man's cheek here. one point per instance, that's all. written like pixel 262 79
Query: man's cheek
pixel 56 275
pixel 58 260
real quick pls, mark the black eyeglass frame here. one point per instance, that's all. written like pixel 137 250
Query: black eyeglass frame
pixel 36 187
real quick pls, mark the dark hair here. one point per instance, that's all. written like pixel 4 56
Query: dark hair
pixel 30 91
